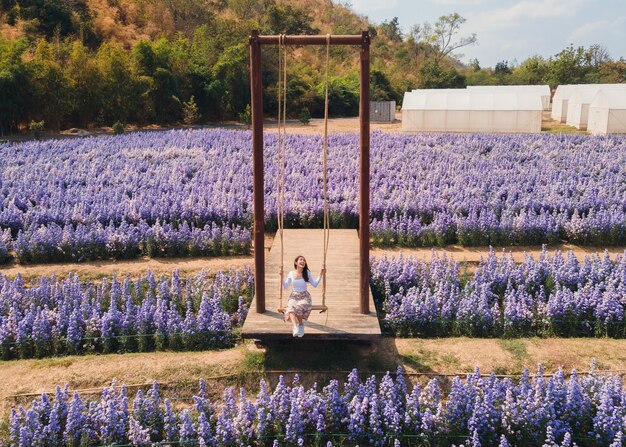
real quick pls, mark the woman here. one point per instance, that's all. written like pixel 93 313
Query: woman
pixel 299 305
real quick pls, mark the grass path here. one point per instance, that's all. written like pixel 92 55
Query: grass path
pixel 244 364
pixel 159 266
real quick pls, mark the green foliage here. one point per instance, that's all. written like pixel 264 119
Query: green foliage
pixel 305 116
pixel 46 16
pixel 118 128
pixel 576 65
pixel 15 92
pixel 433 75
pixel 190 112
pixel 245 117
pixel 246 9
pixel 343 95
pixel 441 36
pixel 232 79
pixel 391 30
pixel 37 128
pixel 287 19
pixel 380 87
pixel 65 74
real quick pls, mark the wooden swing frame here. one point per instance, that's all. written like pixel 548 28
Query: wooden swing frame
pixel 256 88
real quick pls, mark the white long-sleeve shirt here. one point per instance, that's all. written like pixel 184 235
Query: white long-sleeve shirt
pixel 299 285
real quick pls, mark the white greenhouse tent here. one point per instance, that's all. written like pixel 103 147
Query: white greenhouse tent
pixel 607 112
pixel 560 102
pixel 579 101
pixel 541 90
pixel 466 111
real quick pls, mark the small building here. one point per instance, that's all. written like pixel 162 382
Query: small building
pixel 607 113
pixel 580 100
pixel 382 111
pixel 542 90
pixel 560 102
pixel 471 111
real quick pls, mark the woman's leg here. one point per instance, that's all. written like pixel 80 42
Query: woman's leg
pixel 300 322
pixel 294 319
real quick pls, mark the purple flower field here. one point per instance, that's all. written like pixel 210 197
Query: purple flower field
pixel 73 317
pixel 187 193
pixel 539 411
pixel 553 295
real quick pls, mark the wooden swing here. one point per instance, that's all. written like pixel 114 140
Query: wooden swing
pixel 280 194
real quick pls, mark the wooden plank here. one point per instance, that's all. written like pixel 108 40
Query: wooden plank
pixel 343 319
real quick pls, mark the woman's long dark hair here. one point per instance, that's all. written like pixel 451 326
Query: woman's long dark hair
pixel 305 270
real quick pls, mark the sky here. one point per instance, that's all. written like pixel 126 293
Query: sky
pixel 513 30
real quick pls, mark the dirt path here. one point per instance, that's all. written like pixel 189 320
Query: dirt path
pixel 335 125
pixel 474 254
pixel 164 266
pixel 182 370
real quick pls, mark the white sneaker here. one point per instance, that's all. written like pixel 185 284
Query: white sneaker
pixel 296 332
pixel 301 330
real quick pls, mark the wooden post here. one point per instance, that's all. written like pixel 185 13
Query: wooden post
pixel 256 87
pixel 364 215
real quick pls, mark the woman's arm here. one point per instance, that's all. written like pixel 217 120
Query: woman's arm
pixel 287 281
pixel 315 282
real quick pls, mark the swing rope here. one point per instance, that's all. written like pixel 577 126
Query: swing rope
pixel 324 173
pixel 280 180
pixel 282 129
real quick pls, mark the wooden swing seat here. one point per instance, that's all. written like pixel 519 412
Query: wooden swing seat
pixel 322 308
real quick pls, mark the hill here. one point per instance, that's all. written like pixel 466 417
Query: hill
pixel 91 63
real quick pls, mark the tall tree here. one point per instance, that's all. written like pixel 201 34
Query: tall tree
pixel 442 36
pixel 50 86
pixel 15 92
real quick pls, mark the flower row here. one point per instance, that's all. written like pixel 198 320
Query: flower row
pixel 554 295
pixel 482 227
pixel 53 243
pixel 426 189
pixel 71 317
pixel 479 411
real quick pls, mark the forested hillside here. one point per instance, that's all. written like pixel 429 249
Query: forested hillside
pixel 90 63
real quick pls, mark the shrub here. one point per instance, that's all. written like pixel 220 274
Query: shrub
pixel 245 117
pixel 118 128
pixel 191 115
pixel 37 128
pixel 305 116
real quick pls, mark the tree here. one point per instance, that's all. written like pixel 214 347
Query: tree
pixel 442 35
pixel 380 87
pixel 190 112
pixel 232 79
pixel 568 66
pixel 246 9
pixel 305 116
pixel 245 117
pixel 391 30
pixel 433 75
pixel 48 16
pixel 50 86
pixel 531 72
pixel 502 72
pixel 613 71
pixel 287 19
pixel 86 81
pixel 120 87
pixel 15 91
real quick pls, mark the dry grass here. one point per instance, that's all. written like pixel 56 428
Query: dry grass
pixel 164 266
pixel 431 356
pixel 474 254
pixel 95 371
pixel 461 355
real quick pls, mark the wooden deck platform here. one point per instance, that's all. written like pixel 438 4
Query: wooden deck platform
pixel 342 321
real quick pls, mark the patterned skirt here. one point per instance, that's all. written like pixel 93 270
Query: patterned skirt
pixel 299 303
